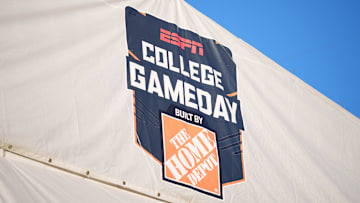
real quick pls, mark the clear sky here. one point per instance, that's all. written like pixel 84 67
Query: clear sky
pixel 317 40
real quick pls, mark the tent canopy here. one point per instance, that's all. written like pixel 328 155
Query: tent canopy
pixel 70 84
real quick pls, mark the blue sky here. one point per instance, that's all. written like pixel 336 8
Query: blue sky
pixel 318 41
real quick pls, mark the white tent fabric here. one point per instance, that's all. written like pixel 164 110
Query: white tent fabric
pixel 22 180
pixel 64 96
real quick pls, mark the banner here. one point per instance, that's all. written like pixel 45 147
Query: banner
pixel 186 111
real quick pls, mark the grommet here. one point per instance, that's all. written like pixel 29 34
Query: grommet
pixel 124 183
pixel 49 160
pixel 87 173
pixel 158 194
pixel 10 146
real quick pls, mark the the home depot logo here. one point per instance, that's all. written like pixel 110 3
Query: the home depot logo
pixel 190 155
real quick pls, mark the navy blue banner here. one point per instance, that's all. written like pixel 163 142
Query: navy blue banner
pixel 171 68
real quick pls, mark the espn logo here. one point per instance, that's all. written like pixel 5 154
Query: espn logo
pixel 175 39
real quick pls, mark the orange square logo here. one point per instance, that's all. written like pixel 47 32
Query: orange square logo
pixel 190 156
